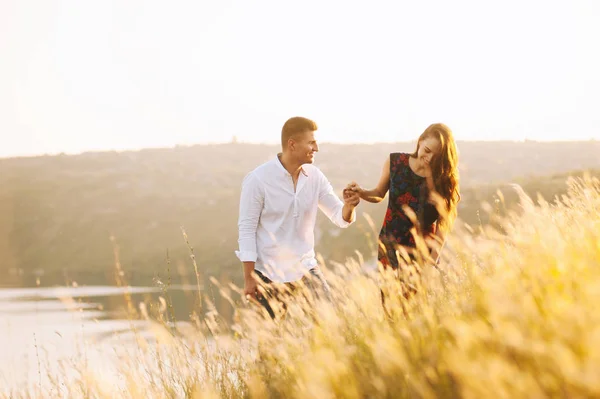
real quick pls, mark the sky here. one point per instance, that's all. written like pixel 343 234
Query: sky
pixel 112 75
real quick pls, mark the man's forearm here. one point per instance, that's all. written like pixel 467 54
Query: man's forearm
pixel 348 212
pixel 248 269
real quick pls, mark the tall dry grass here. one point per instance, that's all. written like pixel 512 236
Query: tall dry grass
pixel 510 313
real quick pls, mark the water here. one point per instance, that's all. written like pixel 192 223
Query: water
pixel 42 327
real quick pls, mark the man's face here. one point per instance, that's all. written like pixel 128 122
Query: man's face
pixel 304 147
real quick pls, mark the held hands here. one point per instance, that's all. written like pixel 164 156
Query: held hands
pixel 354 187
pixel 351 194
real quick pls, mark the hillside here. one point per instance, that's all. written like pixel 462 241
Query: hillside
pixel 57 213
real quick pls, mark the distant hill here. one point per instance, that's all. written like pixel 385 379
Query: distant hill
pixel 57 213
pixel 503 197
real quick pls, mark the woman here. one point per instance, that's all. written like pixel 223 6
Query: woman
pixel 412 180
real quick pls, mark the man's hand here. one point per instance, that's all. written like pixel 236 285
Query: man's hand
pixel 250 287
pixel 351 197
pixel 250 284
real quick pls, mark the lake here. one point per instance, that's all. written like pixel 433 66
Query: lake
pixel 43 327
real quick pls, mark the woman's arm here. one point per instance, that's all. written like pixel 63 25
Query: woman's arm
pixel 377 194
pixel 436 243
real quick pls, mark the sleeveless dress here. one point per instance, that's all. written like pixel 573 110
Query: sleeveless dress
pixel 406 188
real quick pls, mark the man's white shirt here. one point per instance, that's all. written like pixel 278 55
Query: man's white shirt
pixel 277 223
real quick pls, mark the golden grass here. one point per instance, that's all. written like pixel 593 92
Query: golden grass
pixel 510 314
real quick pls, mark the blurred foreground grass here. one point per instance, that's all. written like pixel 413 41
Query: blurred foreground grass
pixel 510 313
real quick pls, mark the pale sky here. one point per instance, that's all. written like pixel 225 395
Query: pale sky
pixel 85 75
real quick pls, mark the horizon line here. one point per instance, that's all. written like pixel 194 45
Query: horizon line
pixel 263 143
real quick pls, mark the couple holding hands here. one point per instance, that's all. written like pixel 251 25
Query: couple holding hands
pixel 280 200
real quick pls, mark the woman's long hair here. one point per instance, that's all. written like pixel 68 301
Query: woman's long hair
pixel 444 172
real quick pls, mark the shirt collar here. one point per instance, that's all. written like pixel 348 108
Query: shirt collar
pixel 283 170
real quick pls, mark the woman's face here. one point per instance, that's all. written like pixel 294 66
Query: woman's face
pixel 429 147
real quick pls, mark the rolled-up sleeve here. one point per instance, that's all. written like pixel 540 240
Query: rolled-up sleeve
pixel 251 204
pixel 330 204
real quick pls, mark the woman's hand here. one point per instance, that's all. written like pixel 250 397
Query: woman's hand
pixel 354 187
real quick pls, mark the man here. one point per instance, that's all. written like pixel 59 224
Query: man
pixel 278 211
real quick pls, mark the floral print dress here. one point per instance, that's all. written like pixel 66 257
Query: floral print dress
pixel 406 188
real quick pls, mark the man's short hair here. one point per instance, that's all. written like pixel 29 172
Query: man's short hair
pixel 294 126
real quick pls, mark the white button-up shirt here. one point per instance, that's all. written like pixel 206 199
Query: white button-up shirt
pixel 277 223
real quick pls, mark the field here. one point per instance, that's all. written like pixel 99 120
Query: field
pixel 509 313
